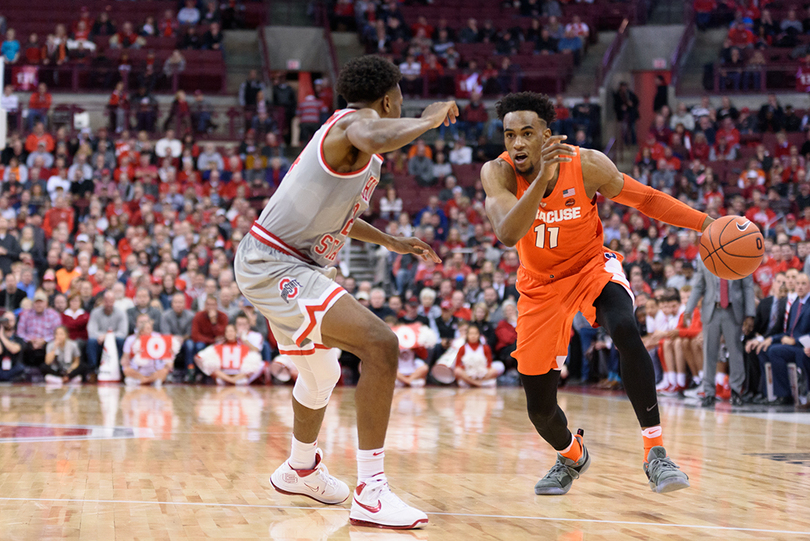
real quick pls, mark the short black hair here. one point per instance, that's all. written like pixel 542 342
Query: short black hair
pixel 366 79
pixel 527 101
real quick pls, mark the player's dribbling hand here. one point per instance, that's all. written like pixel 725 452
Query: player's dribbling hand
pixel 441 112
pixel 412 245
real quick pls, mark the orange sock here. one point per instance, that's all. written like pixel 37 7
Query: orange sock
pixel 653 437
pixel 573 451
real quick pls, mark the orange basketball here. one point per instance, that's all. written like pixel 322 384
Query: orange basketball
pixel 732 247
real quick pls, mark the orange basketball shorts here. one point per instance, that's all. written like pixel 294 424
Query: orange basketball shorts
pixel 546 311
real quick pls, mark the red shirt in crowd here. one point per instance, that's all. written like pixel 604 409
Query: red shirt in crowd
pixel 732 136
pixel 741 37
pixel 309 110
pixel 40 102
pixel 202 330
pixel 56 216
pixel 761 217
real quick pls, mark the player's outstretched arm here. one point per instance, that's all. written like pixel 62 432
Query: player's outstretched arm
pixel 511 217
pixel 374 135
pixel 600 173
pixel 365 232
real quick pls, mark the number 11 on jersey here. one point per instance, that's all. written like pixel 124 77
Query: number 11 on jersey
pixel 553 233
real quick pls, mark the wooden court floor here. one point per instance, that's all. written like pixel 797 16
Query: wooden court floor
pixel 108 463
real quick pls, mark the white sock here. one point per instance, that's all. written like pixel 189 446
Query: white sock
pixel 681 380
pixel 671 378
pixel 369 463
pixel 302 456
pixel 718 378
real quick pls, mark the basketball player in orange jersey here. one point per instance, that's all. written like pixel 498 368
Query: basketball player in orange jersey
pixel 541 198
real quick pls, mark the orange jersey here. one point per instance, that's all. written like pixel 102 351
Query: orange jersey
pixel 567 232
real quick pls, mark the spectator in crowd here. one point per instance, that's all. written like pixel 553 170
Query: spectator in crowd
pixel 461 154
pixel 10 47
pixel 36 327
pixel 138 366
pixel 176 321
pixel 411 82
pixel 249 89
pixel 189 14
pixel 201 113
pixel 11 297
pixel 174 64
pixel 210 157
pixel 421 166
pixel 143 305
pixel 9 247
pixel 105 319
pixel 783 347
pixel 571 44
pixel 474 366
pixel 75 319
pixel 769 320
pixel 63 360
pixel 11 350
pixel 390 204
pixel 625 105
pixel 212 39
pixel 169 146
pixel 10 103
pixel 208 325
pixel 38 134
pixel 309 113
pixel 470 33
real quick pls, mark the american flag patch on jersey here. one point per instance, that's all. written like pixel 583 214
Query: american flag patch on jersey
pixel 568 193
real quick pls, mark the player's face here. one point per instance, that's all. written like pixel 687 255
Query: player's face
pixel 394 101
pixel 524 134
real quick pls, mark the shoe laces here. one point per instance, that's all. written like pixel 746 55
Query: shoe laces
pixel 560 469
pixel 660 465
pixel 323 475
pixel 379 489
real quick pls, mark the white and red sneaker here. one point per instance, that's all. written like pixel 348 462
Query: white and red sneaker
pixel 375 505
pixel 670 390
pixel 315 483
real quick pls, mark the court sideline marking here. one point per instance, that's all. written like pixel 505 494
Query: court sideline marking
pixel 468 515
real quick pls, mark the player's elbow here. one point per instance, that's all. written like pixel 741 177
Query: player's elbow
pixel 508 241
pixel 506 237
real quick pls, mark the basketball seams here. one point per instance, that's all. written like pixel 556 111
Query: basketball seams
pixel 714 266
pixel 732 241
pixel 730 269
pixel 721 249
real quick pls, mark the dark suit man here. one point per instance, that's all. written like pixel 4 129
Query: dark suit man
pixel 769 320
pixel 728 310
pixel 783 347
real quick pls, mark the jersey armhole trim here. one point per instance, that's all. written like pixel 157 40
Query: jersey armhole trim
pixel 327 167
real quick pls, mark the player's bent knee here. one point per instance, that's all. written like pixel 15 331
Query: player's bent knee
pixel 623 330
pixel 382 349
pixel 317 377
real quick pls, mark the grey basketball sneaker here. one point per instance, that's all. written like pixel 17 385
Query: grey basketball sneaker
pixel 561 476
pixel 663 473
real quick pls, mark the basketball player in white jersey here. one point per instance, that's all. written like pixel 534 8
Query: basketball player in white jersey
pixel 283 268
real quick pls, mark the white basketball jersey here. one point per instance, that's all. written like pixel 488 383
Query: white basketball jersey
pixel 312 212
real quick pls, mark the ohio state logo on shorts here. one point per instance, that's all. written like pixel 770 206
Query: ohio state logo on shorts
pixel 289 288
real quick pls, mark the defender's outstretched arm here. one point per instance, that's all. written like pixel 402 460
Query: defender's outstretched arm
pixel 373 135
